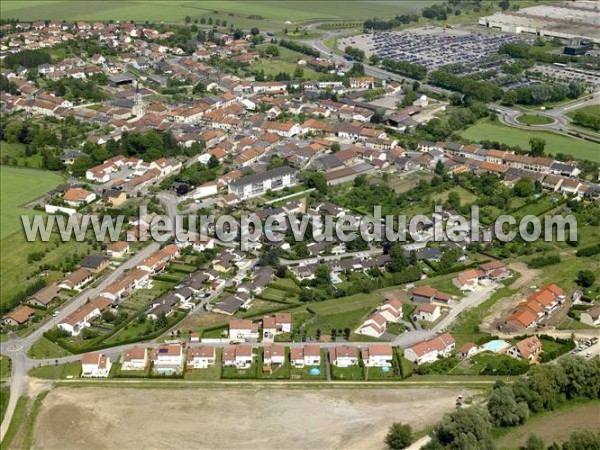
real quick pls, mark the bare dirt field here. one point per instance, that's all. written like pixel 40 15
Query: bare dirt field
pixel 528 276
pixel 249 417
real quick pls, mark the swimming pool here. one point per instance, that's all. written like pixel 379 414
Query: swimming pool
pixel 495 346
pixel 315 371
pixel 385 369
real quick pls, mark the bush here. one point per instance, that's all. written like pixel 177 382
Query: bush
pixel 543 261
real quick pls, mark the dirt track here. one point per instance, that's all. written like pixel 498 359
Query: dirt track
pixel 130 418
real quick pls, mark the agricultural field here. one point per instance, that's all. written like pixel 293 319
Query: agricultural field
pixel 270 14
pixel 17 189
pixel 555 143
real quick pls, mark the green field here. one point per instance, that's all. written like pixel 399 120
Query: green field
pixel 271 14
pixel 18 187
pixel 593 110
pixel 16 155
pixel 555 143
pixel 532 119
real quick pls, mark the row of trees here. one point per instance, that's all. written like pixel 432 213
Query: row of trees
pixel 416 71
pixel 538 94
pixel 300 48
pixel 484 91
pixel 586 120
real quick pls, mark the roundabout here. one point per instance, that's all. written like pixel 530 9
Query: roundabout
pixel 535 119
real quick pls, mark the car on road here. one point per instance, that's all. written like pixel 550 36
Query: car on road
pixel 55 313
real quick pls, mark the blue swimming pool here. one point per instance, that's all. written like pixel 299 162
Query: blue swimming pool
pixel 315 371
pixel 495 345
pixel 385 369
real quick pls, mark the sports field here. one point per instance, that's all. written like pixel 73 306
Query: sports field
pixel 274 14
pixel 555 143
pixel 19 186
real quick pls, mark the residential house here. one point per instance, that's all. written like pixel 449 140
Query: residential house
pixel 77 279
pixel 45 296
pixel 276 324
pixel 240 356
pixel 430 350
pixel 591 316
pixel 468 349
pixel 94 263
pixel 167 358
pixel 343 356
pixel 95 365
pixel 274 354
pixel 428 295
pixel 82 316
pixel 308 355
pixel 117 249
pixel 135 358
pixel 426 312
pixel 374 326
pixel 528 349
pixel 19 316
pixel 378 355
pixel 77 197
pixel 201 357
pixel 243 330
pixel 258 184
pixel 468 280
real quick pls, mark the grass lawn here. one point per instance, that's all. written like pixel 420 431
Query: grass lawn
pixel 16 153
pixel 211 373
pixel 554 426
pixel 45 348
pixel 304 373
pixel 58 371
pixel 555 143
pixel 534 119
pixel 281 372
pixel 18 419
pixel 352 373
pixel 18 189
pixel 466 197
pixel 5 367
pixel 4 397
pixel 234 372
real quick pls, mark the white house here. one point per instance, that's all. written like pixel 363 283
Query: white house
pixel 277 324
pixel 240 356
pixel 343 356
pixel 274 354
pixel 429 351
pixel 374 326
pixel 258 184
pixel 168 358
pixel 591 316
pixel 309 355
pixel 378 355
pixel 95 365
pixel 201 357
pixel 242 330
pixel 76 197
pixel 426 312
pixel 528 349
pixel 135 358
pixel 391 310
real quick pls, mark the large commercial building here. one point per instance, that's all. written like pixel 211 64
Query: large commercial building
pixel 563 20
pixel 260 183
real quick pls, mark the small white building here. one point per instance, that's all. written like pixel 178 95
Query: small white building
pixel 168 358
pixel 201 357
pixel 426 312
pixel 135 358
pixel 343 356
pixel 378 355
pixel 430 350
pixel 95 365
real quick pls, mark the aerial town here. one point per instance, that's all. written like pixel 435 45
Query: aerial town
pixel 446 112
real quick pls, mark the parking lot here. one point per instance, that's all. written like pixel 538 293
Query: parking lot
pixel 587 348
pixel 432 47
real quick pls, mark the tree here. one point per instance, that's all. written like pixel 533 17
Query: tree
pixel 504 409
pixel 534 442
pixel 397 259
pixel 523 188
pixel 399 436
pixel 537 146
pixel 504 4
pixel 316 180
pixel 464 428
pixel 254 31
pixel 335 147
pixel 374 59
pixel 212 162
pixel 199 88
pixel 322 276
pixel 581 440
pixel 585 278
pixel 188 19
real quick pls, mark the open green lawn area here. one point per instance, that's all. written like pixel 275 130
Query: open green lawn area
pixel 555 143
pixel 45 348
pixel 352 373
pixel 4 397
pixel 234 372
pixel 57 371
pixel 593 110
pixel 269 14
pixel 553 426
pixel 211 373
pixel 5 367
pixel 466 197
pixel 20 186
pixel 534 119
pixel 16 154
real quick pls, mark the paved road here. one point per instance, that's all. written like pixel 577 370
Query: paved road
pixel 17 348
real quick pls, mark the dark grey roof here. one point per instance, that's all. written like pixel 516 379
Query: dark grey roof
pixel 93 261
